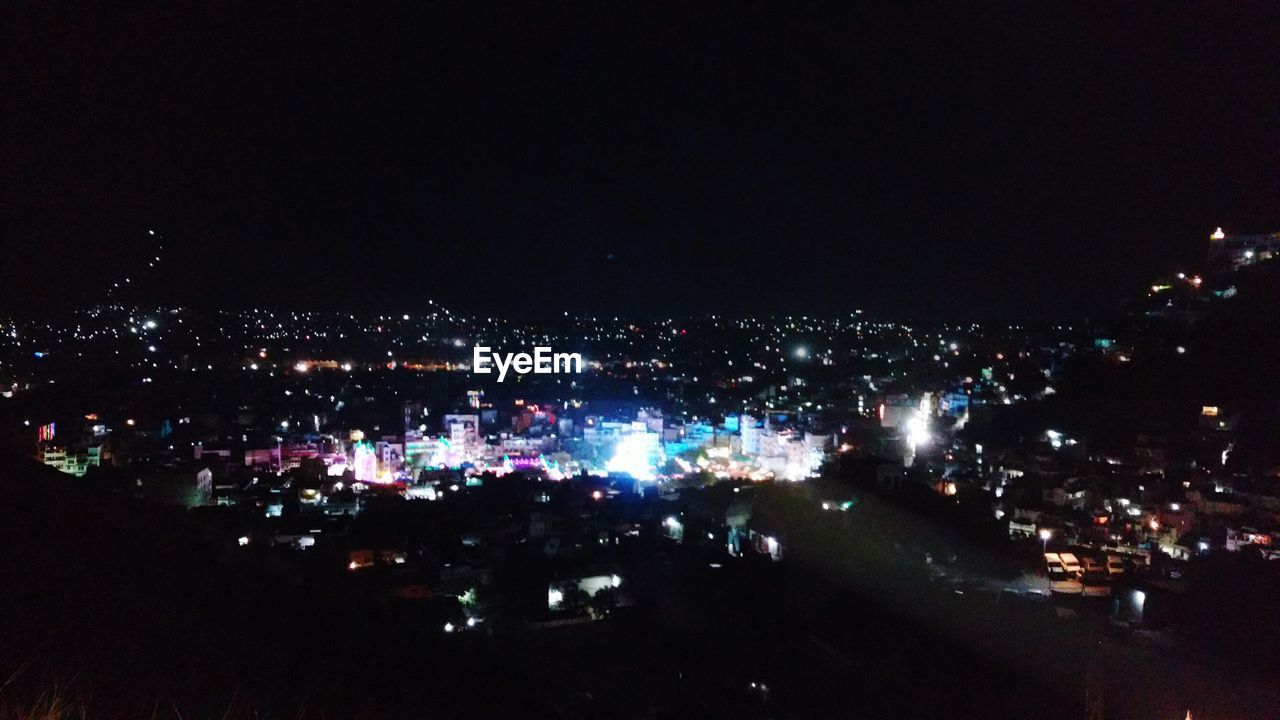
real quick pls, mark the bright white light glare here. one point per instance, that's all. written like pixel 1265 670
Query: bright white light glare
pixel 244 540
pixel 151 324
pixel 301 367
pixel 802 352
pixel 632 458
pixel 917 430
pixel 554 598
pixel 448 627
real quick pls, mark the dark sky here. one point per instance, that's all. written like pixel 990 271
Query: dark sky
pixel 1026 159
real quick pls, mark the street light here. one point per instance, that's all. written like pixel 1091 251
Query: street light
pixel 1045 534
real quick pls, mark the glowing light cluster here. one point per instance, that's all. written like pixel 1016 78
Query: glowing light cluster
pixel 632 458
pixel 917 430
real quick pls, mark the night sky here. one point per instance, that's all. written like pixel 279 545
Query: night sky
pixel 1024 160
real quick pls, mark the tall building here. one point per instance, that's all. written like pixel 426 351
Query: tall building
pixel 365 462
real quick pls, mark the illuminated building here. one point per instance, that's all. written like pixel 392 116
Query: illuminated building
pixel 424 452
pixel 896 410
pixel 72 463
pixel 390 454
pixel 365 462
pixel 815 447
pixel 462 429
pixel 692 436
pixel 751 432
pixel 291 456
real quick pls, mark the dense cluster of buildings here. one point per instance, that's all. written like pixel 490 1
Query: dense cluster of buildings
pixel 305 421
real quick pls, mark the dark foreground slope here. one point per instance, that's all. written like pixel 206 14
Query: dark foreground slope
pixel 133 607
pixel 128 608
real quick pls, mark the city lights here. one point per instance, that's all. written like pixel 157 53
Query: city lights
pixel 633 457
pixel 763 342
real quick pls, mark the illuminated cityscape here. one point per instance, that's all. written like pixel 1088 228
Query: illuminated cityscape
pixel 302 432
pixel 597 362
